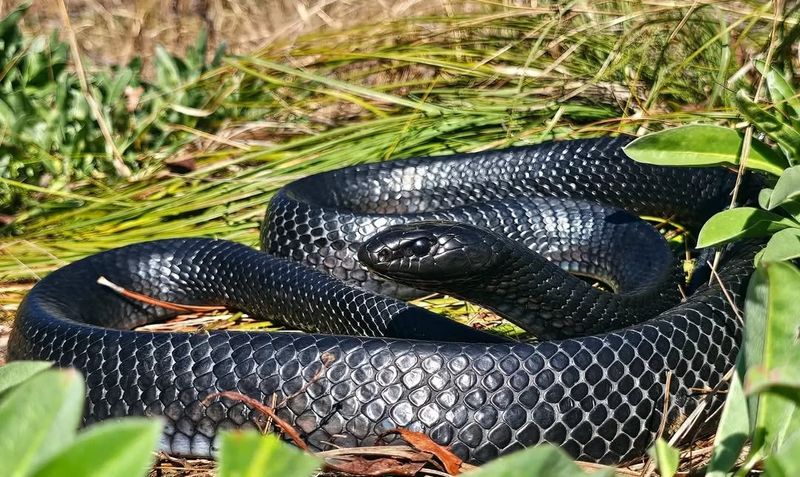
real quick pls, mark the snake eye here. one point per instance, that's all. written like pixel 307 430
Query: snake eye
pixel 420 246
pixel 384 255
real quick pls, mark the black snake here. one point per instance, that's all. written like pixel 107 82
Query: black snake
pixel 600 396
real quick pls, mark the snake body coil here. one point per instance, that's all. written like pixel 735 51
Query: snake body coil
pixel 600 397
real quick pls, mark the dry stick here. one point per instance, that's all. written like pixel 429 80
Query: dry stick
pixel 397 451
pixel 748 136
pixel 727 294
pixel 650 467
pixel 694 417
pixel 156 302
pixel 264 409
pixel 268 424
pixel 119 165
pixel 327 359
pixel 748 133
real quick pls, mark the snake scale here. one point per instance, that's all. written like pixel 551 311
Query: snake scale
pixel 374 362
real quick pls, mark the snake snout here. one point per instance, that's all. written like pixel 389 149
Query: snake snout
pixel 428 251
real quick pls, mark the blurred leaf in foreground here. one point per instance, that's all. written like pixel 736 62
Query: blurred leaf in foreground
pixel 249 454
pixel 38 419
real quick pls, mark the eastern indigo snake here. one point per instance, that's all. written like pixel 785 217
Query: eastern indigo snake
pixel 599 395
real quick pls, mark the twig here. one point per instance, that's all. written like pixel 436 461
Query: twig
pixel 156 302
pixel 727 294
pixel 400 451
pixel 665 408
pixel 748 133
pixel 118 163
pixel 650 467
pixel 264 409
pixel 327 359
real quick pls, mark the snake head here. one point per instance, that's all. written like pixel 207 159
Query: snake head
pixel 423 252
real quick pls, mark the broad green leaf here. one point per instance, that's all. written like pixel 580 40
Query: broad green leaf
pixel 786 189
pixel 733 429
pixel 249 454
pixel 777 128
pixel 667 457
pixel 38 418
pixel 791 208
pixel 703 145
pixel 782 379
pixel 539 461
pixel 784 245
pixel 741 222
pixel 770 342
pixel 16 372
pixel 785 462
pixel 763 197
pixel 124 447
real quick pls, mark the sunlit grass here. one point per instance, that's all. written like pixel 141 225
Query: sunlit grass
pixel 431 85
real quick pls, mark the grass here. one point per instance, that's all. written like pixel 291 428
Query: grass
pixel 429 85
pixel 208 147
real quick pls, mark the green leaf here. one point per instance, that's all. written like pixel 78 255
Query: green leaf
pixel 195 55
pixel 741 222
pixel 784 245
pixel 16 372
pixel 770 342
pixel 116 89
pixel 783 379
pixel 786 188
pixel 667 457
pixel 792 209
pixel 9 26
pixel 249 454
pixel 773 126
pixel 168 75
pixel 540 461
pixel 780 91
pixel 733 429
pixel 42 415
pixel 124 447
pixel 763 197
pixel 703 145
pixel 785 462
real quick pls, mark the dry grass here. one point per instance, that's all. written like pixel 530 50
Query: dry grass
pixel 113 32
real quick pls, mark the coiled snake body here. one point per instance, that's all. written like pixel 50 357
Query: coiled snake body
pixel 600 396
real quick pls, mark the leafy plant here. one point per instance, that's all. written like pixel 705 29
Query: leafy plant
pixel 249 454
pixel 764 395
pixel 40 409
pixel 49 137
